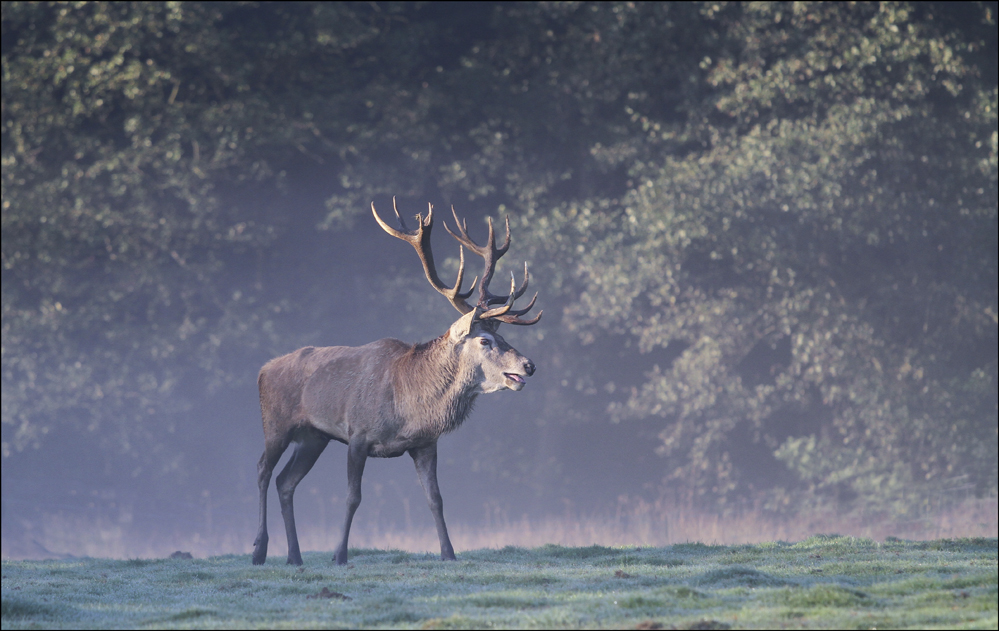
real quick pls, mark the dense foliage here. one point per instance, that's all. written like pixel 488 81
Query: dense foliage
pixel 825 257
pixel 789 208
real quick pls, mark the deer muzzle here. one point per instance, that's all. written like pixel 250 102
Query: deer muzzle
pixel 515 380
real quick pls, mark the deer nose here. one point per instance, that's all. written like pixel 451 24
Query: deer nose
pixel 529 368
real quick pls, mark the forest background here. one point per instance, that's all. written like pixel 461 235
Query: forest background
pixel 764 236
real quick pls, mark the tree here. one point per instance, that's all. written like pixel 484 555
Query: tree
pixel 129 130
pixel 820 255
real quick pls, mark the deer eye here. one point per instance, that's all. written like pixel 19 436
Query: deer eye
pixel 485 341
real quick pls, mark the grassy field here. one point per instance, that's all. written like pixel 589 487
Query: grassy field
pixel 824 582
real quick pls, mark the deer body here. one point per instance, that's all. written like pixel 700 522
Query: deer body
pixel 385 398
pixel 342 391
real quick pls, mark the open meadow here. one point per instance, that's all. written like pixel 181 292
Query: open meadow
pixel 821 582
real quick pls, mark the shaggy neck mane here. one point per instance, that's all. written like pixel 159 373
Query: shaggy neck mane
pixel 440 391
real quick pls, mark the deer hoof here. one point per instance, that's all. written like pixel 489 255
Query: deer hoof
pixel 260 555
pixel 340 558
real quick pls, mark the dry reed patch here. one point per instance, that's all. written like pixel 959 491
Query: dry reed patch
pixel 635 523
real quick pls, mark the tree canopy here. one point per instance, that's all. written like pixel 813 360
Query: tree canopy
pixel 768 229
pixel 834 295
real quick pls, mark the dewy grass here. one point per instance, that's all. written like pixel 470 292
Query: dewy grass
pixel 826 582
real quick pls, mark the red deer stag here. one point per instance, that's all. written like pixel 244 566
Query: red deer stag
pixel 388 397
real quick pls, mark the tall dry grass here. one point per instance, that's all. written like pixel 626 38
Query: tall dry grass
pixel 634 523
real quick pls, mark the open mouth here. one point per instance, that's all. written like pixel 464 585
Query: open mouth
pixel 514 378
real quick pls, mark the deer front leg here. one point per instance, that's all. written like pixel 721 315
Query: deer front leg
pixel 425 459
pixel 357 454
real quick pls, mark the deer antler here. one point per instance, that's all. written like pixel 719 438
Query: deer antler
pixel 420 240
pixel 490 255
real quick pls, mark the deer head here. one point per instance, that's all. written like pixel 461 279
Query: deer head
pixel 474 334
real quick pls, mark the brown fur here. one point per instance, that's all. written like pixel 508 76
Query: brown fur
pixel 382 399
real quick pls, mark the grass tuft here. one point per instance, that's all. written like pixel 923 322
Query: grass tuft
pixel 560 552
pixel 142 562
pixel 826 596
pixel 13 609
pixel 451 622
pixel 191 614
pixel 737 576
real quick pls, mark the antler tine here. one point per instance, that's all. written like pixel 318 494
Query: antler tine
pixel 399 217
pixel 498 311
pixel 506 242
pixel 530 305
pixel 461 274
pixel 493 299
pixel 405 236
pixel 512 319
pixel 523 286
pixel 509 315
pixel 462 236
pixel 490 255
pixel 420 240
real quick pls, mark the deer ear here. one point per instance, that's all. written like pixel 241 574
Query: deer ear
pixel 462 326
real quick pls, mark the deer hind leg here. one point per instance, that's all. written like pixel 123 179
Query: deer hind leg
pixel 307 451
pixel 357 455
pixel 425 460
pixel 272 453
